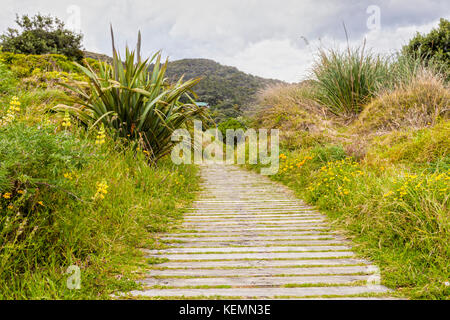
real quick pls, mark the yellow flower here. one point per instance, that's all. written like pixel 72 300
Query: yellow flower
pixel 387 194
pixel 101 135
pixel 20 191
pixel 41 203
pixel 10 207
pixel 102 189
pixel 66 121
pixel 14 107
pixel 7 195
pixel 68 175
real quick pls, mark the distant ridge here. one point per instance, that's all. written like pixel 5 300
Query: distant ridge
pixel 227 89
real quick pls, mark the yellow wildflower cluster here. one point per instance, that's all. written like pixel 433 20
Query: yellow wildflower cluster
pixel 411 185
pixel 179 180
pixel 14 108
pixel 66 121
pixel 7 195
pixel 70 175
pixel 290 164
pixel 335 177
pixel 102 190
pixel 101 135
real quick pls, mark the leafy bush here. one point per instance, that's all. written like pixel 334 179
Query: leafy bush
pixel 230 124
pixel 434 46
pixel 134 104
pixel 41 35
pixel 25 64
pixel 347 80
pixel 32 158
pixel 33 161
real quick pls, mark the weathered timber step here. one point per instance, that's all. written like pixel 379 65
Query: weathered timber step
pixel 265 255
pixel 251 242
pixel 255 222
pixel 255 281
pixel 254 238
pixel 264 228
pixel 250 210
pixel 243 216
pixel 260 263
pixel 260 272
pixel 262 292
pixel 254 217
pixel 269 233
pixel 208 250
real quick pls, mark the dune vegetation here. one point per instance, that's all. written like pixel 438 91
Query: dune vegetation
pixel 366 141
pixel 83 188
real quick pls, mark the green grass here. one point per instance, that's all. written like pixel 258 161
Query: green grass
pixel 398 218
pixel 55 213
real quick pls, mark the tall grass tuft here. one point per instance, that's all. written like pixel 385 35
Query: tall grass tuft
pixel 135 103
pixel 346 80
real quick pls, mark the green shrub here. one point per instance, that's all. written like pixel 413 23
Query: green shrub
pixel 328 153
pixel 41 35
pixel 24 65
pixel 230 124
pixel 433 47
pixel 33 158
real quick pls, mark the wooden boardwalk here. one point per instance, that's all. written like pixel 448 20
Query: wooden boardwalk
pixel 248 237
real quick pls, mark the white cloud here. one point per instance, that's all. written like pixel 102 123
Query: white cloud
pixel 262 37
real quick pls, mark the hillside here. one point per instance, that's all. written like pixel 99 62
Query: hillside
pixel 222 86
pixel 225 88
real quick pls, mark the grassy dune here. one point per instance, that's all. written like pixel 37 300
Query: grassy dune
pixel 378 165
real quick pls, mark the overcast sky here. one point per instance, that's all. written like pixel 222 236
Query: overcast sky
pixel 273 39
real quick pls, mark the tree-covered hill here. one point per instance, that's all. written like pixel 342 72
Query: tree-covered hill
pixel 226 89
pixel 220 83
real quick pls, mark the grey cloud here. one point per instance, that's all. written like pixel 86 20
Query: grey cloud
pixel 236 32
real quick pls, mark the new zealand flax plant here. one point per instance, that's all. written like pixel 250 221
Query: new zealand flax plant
pixel 134 100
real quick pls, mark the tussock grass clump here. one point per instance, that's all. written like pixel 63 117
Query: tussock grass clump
pixel 291 109
pixel 347 80
pixel 417 104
